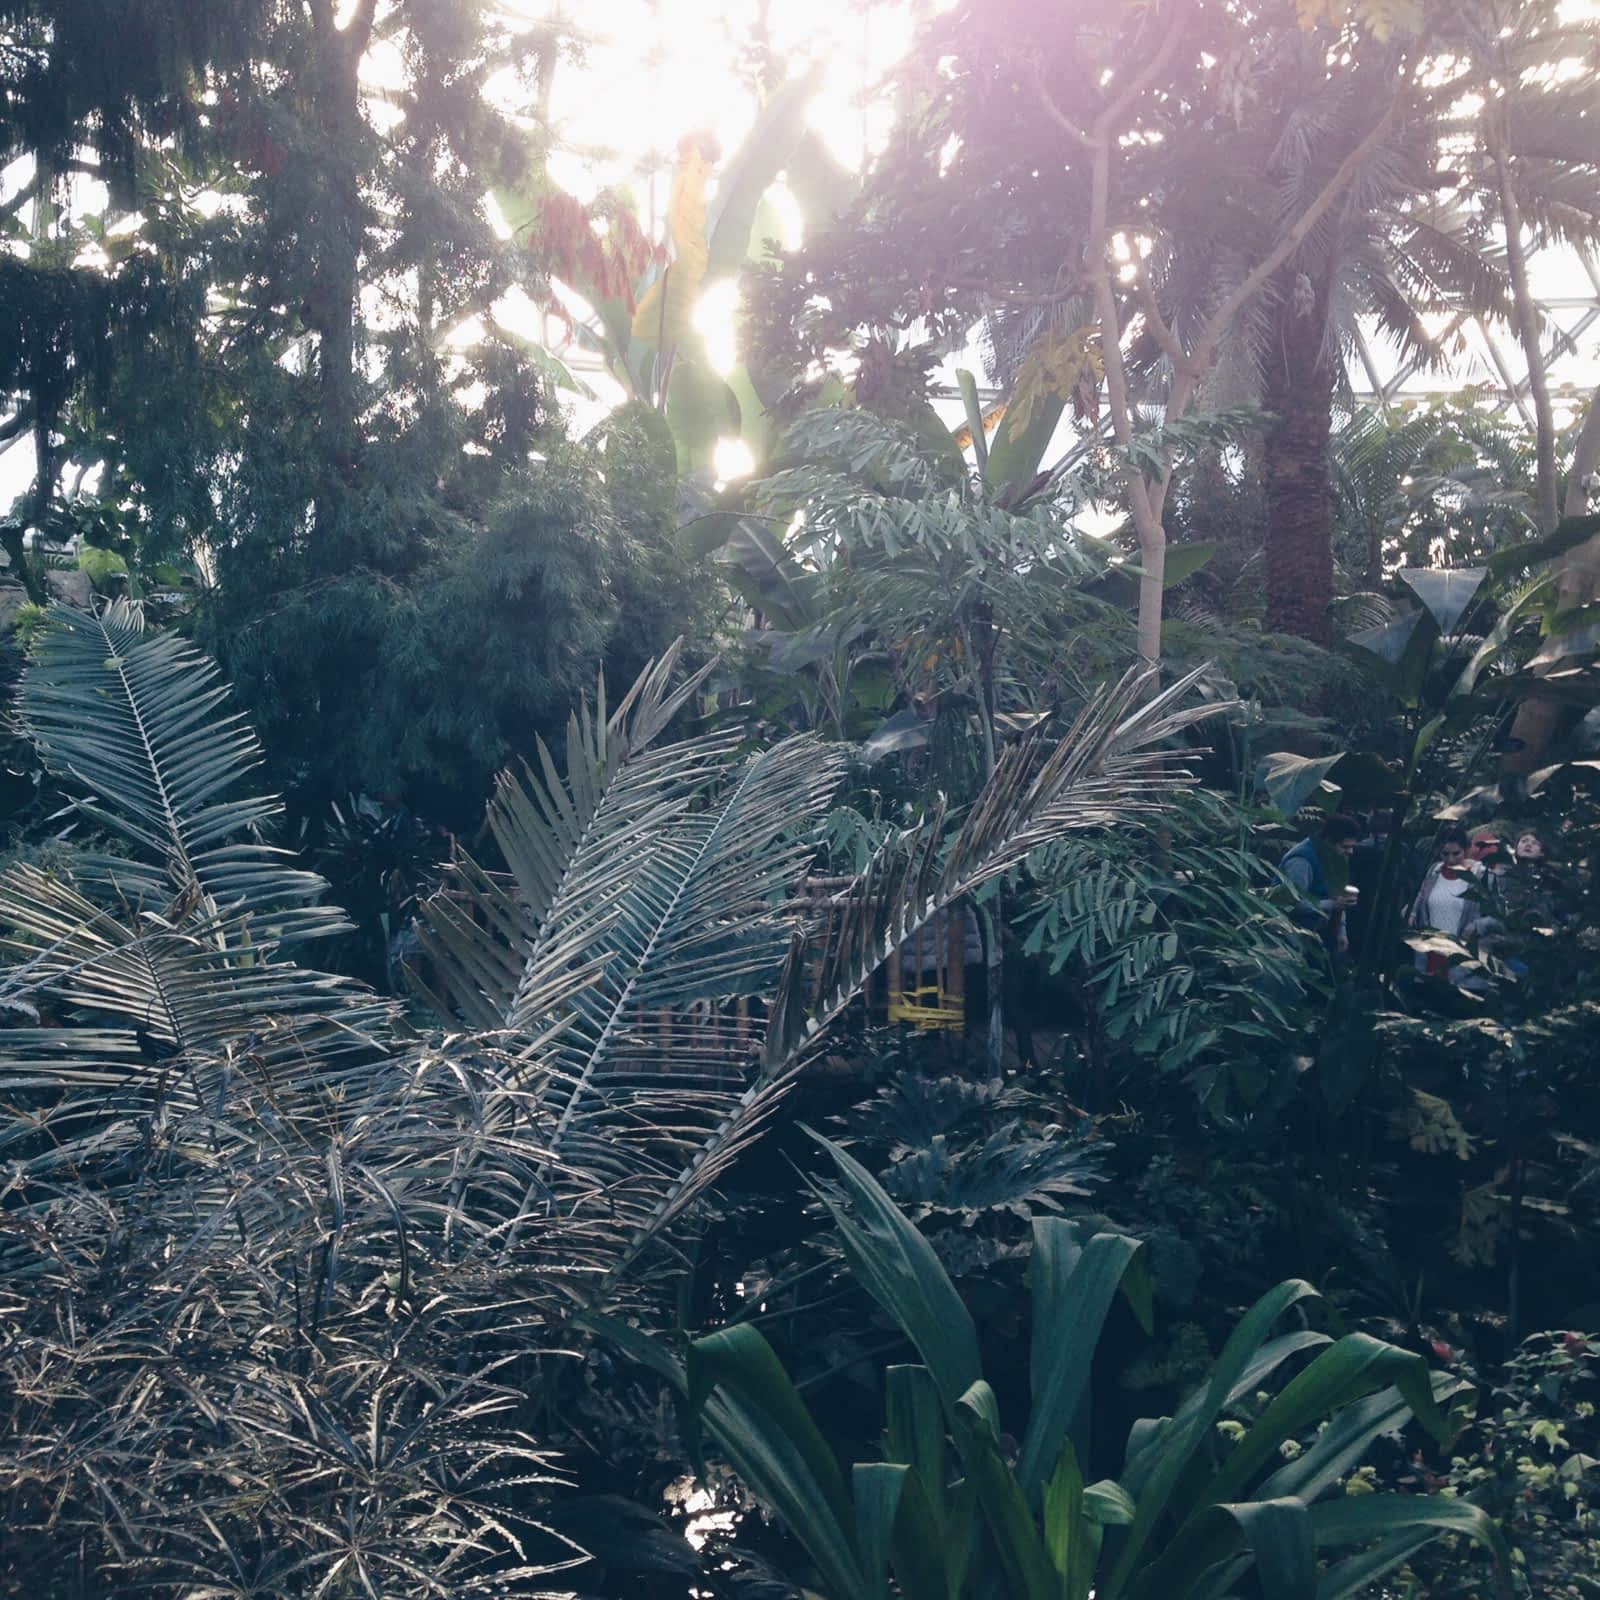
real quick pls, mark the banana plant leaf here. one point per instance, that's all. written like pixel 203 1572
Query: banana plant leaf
pixel 1448 594
pixel 1291 780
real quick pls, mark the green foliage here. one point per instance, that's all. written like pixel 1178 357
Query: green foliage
pixel 1529 1459
pixel 310 1261
pixel 947 1511
pixel 1177 942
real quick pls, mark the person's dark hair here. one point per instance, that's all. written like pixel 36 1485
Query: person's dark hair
pixel 1340 826
pixel 1454 833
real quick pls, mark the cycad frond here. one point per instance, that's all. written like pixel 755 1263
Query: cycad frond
pixel 478 930
pixel 139 720
pixel 1115 761
pixel 165 965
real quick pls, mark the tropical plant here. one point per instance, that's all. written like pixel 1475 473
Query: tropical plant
pixel 268 1263
pixel 891 575
pixel 1528 1458
pixel 951 1511
pixel 642 298
pixel 1178 949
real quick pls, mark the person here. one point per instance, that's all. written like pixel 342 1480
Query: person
pixel 1318 867
pixel 1531 903
pixel 1447 902
pixel 1489 851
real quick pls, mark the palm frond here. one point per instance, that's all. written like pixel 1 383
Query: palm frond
pixel 139 720
pixel 478 929
pixel 1115 761
pixel 163 969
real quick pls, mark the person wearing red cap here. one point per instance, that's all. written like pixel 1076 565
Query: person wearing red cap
pixel 1489 850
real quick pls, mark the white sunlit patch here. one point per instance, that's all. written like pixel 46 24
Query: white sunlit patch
pixel 732 460
pixel 714 317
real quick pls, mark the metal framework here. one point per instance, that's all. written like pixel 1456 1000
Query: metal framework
pixel 1571 364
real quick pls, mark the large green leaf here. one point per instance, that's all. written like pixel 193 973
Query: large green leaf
pixel 769 578
pixel 1160 1456
pixel 752 170
pixel 1343 1443
pixel 1349 1370
pixel 1390 642
pixel 878 1487
pixel 821 184
pixel 898 1268
pixel 1291 780
pixel 701 411
pixel 1409 1521
pixel 1276 1533
pixel 1448 594
pixel 1074 1285
pixel 1017 1540
pixel 931 1550
pixel 739 1361
pixel 1015 453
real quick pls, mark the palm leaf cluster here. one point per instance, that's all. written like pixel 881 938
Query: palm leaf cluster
pixel 277 1276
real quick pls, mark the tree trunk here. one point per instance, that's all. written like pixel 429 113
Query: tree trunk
pixel 1297 389
pixel 1527 315
pixel 340 222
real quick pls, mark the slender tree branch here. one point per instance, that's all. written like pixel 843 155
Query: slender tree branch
pixel 17 424
pixel 1053 111
pixel 1048 297
pixel 1142 79
pixel 1157 324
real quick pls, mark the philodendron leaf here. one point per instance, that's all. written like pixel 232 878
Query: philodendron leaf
pixel 1447 593
pixel 1291 780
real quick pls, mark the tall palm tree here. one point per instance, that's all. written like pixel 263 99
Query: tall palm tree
pixel 1420 235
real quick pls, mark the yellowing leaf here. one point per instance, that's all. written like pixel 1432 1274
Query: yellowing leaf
pixel 665 314
pixel 1322 13
pixel 1431 1126
pixel 1383 19
pixel 1064 365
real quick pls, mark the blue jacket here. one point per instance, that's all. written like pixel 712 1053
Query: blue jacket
pixel 1302 866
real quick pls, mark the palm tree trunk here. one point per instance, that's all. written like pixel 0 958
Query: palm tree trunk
pixel 1297 389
